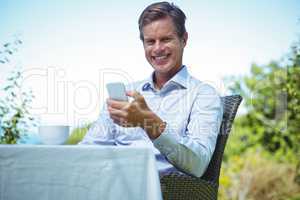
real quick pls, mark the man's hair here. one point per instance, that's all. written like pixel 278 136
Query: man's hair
pixel 161 10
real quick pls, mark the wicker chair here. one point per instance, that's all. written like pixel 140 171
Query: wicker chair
pixel 180 186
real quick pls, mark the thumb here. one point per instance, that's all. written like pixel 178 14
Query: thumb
pixel 133 94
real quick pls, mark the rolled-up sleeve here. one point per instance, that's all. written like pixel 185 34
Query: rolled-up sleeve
pixel 191 152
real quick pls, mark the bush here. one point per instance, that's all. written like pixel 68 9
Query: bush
pixel 271 97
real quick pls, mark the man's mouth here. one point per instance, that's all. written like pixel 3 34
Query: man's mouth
pixel 161 59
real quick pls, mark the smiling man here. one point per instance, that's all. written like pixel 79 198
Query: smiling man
pixel 176 114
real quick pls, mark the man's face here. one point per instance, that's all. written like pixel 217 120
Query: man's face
pixel 163 47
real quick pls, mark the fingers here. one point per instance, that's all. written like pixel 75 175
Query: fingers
pixel 116 104
pixel 117 120
pixel 120 120
pixel 116 115
pixel 127 114
pixel 116 112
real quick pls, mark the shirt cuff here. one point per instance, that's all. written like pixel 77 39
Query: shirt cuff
pixel 166 142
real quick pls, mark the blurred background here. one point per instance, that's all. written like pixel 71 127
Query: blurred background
pixel 66 51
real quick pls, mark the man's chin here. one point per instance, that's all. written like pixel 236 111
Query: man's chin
pixel 161 68
pixel 161 71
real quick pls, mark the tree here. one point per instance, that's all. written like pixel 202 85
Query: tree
pixel 272 99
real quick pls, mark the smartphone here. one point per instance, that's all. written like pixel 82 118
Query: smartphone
pixel 117 91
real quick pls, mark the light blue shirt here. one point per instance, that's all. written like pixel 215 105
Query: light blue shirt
pixel 192 111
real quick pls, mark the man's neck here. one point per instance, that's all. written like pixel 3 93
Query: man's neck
pixel 160 79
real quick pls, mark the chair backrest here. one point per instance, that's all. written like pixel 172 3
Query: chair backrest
pixel 230 106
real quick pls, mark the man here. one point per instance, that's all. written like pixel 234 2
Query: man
pixel 178 115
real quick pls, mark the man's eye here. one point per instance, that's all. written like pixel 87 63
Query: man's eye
pixel 149 42
pixel 166 40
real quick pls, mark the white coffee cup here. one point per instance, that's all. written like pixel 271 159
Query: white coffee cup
pixel 53 134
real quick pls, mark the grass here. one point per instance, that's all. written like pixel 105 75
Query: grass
pixel 254 175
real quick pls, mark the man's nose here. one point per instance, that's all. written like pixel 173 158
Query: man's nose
pixel 158 47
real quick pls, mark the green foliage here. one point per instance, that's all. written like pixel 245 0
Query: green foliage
pixel 272 98
pixel 8 50
pixel 77 135
pixel 15 118
pixel 262 158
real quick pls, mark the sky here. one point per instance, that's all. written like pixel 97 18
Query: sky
pixel 71 49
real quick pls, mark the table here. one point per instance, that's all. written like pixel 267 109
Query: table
pixel 87 172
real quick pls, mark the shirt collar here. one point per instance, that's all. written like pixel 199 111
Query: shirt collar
pixel 180 79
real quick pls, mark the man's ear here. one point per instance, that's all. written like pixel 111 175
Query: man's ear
pixel 185 38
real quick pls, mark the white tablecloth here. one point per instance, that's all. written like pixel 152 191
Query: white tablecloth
pixel 41 172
